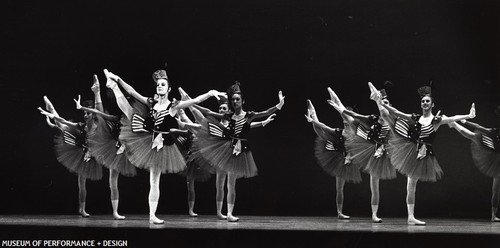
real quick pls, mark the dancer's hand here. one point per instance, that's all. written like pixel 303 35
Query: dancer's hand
pixel 438 117
pixel 95 86
pixel 269 119
pixel 308 117
pixel 111 79
pixel 311 111
pixel 179 122
pixel 334 104
pixel 472 112
pixel 281 99
pixel 77 101
pixel 217 94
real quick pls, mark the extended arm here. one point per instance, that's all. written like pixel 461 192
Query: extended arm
pixel 184 103
pixel 57 118
pixel 472 114
pixel 273 109
pixel 476 126
pixel 263 123
pixel 95 111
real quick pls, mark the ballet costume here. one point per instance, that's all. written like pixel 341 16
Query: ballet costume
pixel 410 149
pixel 368 149
pixel 72 151
pixel 226 148
pixel 197 167
pixel 149 143
pixel 486 152
pixel 108 150
pixel 331 154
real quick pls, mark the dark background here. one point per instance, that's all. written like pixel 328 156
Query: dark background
pixel 301 47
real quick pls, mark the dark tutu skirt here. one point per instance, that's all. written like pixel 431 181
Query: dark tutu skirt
pixel 197 167
pixel 332 162
pixel 103 148
pixel 362 154
pixel 72 158
pixel 485 159
pixel 403 154
pixel 167 160
pixel 219 153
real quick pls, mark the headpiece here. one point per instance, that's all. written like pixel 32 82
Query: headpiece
pixel 383 92
pixel 88 104
pixel 159 74
pixel 234 89
pixel 425 90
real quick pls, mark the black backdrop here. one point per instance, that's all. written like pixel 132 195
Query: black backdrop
pixel 301 47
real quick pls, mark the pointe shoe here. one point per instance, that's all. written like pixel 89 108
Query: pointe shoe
pixel 414 222
pixel 83 213
pixel 342 216
pixel 231 218
pixel 376 219
pixel 118 217
pixel 155 220
pixel 495 219
pixel 221 216
pixel 192 214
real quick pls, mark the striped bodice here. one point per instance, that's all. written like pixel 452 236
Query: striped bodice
pixel 376 132
pixel 337 143
pixel 492 140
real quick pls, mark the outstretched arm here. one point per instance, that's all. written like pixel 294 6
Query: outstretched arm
pixel 476 126
pixel 317 123
pixel 208 112
pixel 185 103
pixel 393 111
pixel 129 89
pixel 273 109
pixel 263 123
pixel 472 114
pixel 95 111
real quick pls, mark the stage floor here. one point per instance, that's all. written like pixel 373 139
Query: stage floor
pixel 185 231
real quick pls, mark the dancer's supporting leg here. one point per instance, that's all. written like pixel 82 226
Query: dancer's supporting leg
pixel 495 197
pixel 219 197
pixel 231 197
pixel 410 201
pixel 115 194
pixel 374 186
pixel 82 195
pixel 339 186
pixel 191 195
pixel 154 196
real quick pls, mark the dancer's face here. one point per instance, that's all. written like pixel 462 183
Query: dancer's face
pixel 223 108
pixel 236 101
pixel 162 87
pixel 87 116
pixel 426 103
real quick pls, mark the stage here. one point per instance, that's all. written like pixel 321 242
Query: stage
pixel 250 231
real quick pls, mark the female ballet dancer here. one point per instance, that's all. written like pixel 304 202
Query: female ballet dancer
pixel 228 150
pixel 368 147
pixel 410 144
pixel 197 161
pixel 485 148
pixel 332 156
pixel 71 148
pixel 148 132
pixel 105 147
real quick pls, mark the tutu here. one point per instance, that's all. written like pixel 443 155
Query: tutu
pixel 219 150
pixel 104 145
pixel 364 154
pixel 486 159
pixel 404 151
pixel 333 162
pixel 72 155
pixel 139 147
pixel 197 167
